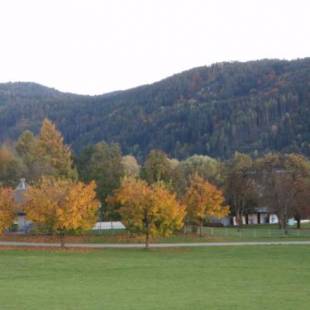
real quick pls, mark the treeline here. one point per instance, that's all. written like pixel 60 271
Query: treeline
pixel 254 107
pixel 136 192
pixel 58 203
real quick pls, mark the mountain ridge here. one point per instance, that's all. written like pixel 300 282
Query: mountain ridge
pixel 255 107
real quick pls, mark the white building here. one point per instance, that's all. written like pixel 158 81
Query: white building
pixel 260 216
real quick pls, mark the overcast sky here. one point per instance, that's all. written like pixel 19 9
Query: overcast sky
pixel 92 47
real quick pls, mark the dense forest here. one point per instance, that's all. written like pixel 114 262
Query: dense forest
pixel 252 107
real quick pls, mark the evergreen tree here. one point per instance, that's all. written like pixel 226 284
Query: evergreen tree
pixel 53 153
pixel 11 167
pixel 27 149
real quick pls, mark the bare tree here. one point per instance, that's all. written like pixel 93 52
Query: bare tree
pixel 282 178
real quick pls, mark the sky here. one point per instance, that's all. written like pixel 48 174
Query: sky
pixel 96 46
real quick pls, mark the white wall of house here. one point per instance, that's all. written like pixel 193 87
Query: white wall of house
pixel 253 220
pixel 273 219
pixel 264 218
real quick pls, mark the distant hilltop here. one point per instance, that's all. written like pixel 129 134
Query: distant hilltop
pixel 252 107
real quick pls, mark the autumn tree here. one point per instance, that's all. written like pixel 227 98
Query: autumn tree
pixel 283 178
pixel 54 153
pixel 150 210
pixel 302 200
pixel 203 201
pixel 7 208
pixel 46 154
pixel 62 205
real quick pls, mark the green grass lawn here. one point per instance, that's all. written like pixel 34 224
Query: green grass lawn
pixel 210 234
pixel 247 277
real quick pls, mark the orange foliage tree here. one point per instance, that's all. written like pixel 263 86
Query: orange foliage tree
pixel 60 205
pixel 204 200
pixel 7 208
pixel 54 155
pixel 148 209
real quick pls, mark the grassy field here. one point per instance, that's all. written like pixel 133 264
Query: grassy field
pixel 263 277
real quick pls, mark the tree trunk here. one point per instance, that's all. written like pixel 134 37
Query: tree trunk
pixel 147 229
pixel 283 224
pixel 297 218
pixel 147 240
pixel 258 218
pixel 280 220
pixel 285 221
pixel 62 240
pixel 280 224
pixel 200 229
pixel 239 219
pixel 194 228
pixel 238 213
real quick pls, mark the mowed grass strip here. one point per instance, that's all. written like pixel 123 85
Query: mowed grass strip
pixel 217 234
pixel 262 277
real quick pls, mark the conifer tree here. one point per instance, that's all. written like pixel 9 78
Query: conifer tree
pixel 27 150
pixel 52 151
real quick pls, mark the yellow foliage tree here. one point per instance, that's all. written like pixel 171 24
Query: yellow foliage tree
pixel 204 200
pixel 149 210
pixel 7 208
pixel 54 153
pixel 61 205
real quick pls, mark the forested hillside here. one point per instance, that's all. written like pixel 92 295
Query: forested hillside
pixel 252 107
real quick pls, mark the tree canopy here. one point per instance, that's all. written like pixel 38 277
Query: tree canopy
pixel 204 201
pixel 150 210
pixel 62 205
